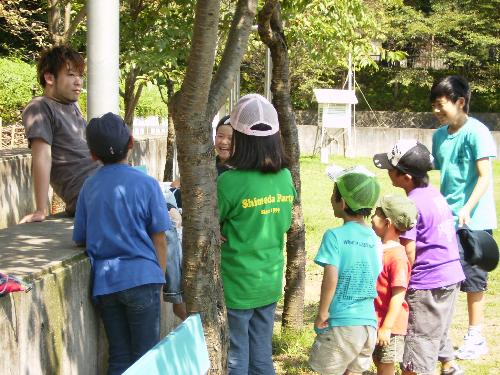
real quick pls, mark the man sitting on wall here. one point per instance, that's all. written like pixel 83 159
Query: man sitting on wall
pixel 55 130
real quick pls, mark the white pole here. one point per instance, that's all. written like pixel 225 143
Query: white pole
pixel 349 73
pixel 349 151
pixel 269 75
pixel 354 116
pixel 103 46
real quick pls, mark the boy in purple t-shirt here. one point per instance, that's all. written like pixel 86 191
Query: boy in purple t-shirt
pixel 432 249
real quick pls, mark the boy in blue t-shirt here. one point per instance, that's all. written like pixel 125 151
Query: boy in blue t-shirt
pixel 346 323
pixel 121 219
pixel 463 148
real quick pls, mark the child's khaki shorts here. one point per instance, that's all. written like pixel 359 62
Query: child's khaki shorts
pixel 342 348
pixel 391 353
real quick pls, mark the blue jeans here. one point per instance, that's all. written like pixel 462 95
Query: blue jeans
pixel 131 320
pixel 250 334
pixel 172 291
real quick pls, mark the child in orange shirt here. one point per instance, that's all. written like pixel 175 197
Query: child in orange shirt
pixel 395 214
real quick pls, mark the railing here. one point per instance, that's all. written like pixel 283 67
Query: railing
pixel 432 61
pixel 422 61
pixel 150 126
pixel 12 136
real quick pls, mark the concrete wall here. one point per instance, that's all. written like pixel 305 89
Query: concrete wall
pixel 54 328
pixel 387 119
pixel 366 141
pixel 16 193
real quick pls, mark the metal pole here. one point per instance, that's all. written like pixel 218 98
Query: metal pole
pixel 355 146
pixel 269 75
pixel 349 73
pixel 103 46
pixel 348 151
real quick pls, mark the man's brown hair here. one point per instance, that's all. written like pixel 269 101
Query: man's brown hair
pixel 54 59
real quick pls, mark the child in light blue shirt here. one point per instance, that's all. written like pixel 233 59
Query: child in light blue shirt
pixel 346 323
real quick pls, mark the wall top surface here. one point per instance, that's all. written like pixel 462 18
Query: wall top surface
pixel 30 250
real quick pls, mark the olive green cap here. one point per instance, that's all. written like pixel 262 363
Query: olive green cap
pixel 400 209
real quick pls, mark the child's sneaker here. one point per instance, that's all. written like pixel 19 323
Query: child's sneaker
pixel 472 348
pixel 453 370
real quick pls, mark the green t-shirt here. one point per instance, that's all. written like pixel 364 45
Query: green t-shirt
pixel 255 211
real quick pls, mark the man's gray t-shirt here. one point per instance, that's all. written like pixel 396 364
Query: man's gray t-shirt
pixel 63 127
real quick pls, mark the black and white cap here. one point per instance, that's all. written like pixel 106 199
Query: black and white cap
pixel 408 156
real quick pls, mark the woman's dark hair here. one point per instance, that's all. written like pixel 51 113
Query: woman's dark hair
pixel 365 212
pixel 265 154
pixel 453 88
pixel 54 59
pixel 223 121
pixel 419 182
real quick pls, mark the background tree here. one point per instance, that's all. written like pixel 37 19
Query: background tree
pixel 439 38
pixel 64 18
pixel 23 28
pixel 271 33
pixel 320 34
pixel 154 36
pixel 170 77
pixel 169 160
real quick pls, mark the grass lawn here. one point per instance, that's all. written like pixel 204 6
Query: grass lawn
pixel 291 350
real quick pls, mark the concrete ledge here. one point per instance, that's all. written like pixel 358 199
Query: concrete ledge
pixel 54 328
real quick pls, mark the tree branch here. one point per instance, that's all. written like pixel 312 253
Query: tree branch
pixel 234 50
pixel 271 33
pixel 53 19
pixel 264 18
pixel 162 96
pixel 196 84
pixel 67 16
pixel 137 94
pixel 80 16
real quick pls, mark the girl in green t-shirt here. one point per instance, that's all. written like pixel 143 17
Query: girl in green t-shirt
pixel 255 198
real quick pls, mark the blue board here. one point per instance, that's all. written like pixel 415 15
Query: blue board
pixel 182 352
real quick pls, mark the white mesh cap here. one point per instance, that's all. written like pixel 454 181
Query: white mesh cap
pixel 335 172
pixel 252 110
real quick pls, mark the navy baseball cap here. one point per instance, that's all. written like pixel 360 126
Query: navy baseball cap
pixel 108 136
pixel 480 248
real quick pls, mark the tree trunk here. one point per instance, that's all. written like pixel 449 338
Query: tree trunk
pixel 54 21
pixel 193 109
pixel 62 28
pixel 169 161
pixel 201 243
pixel 131 95
pixel 271 33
